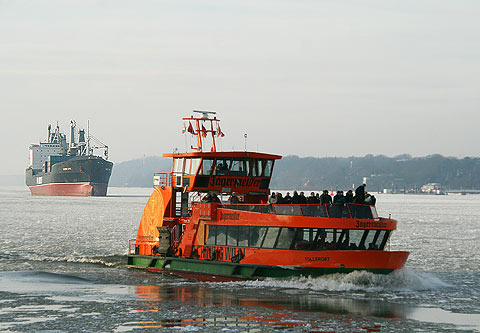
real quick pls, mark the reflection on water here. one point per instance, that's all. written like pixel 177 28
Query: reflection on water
pixel 153 297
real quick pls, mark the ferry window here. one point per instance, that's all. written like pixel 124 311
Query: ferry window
pixel 384 239
pixel 178 165
pixel 330 238
pixel 343 240
pixel 270 237
pixel 211 232
pixel 232 238
pixel 243 236
pixel 374 239
pixel 268 166
pixel 239 168
pixel 222 166
pixel 374 212
pixel 187 166
pixel 256 236
pixel 338 211
pixel 221 235
pixel 369 238
pixel 256 168
pixel 360 211
pixel 314 210
pixel 285 238
pixel 207 165
pixel 287 210
pixel 195 164
pixel 356 238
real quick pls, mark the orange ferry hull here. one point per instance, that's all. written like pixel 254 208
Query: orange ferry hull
pixel 310 263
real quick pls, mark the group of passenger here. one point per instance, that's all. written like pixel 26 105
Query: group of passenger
pixel 360 197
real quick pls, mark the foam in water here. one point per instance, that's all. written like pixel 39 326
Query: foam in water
pixel 401 280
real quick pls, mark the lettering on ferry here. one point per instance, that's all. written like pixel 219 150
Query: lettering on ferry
pixel 230 216
pixel 317 258
pixel 218 253
pixel 371 224
pixel 234 182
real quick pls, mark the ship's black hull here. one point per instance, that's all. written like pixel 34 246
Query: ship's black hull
pixel 78 176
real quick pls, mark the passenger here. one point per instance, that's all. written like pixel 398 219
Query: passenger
pixel 302 199
pixel 312 198
pixel 280 199
pixel 273 199
pixel 360 194
pixel 295 198
pixel 215 198
pixel 339 198
pixel 370 199
pixel 288 198
pixel 349 197
pixel 234 198
pixel 317 195
pixel 325 198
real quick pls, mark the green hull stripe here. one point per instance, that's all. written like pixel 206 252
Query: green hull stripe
pixel 236 270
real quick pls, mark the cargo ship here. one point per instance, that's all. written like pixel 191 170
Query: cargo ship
pixel 210 219
pixel 59 167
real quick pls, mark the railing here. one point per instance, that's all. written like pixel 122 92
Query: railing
pixel 162 179
pixel 356 211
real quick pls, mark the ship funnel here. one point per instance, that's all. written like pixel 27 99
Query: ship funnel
pixel 81 136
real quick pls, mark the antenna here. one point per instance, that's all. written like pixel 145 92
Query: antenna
pixel 245 136
pixel 205 113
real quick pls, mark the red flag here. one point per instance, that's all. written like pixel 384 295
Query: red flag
pixel 204 132
pixel 219 132
pixel 190 128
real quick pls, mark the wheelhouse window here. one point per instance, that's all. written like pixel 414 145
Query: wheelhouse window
pixel 178 165
pixel 222 166
pixel 195 164
pixel 256 168
pixel 188 163
pixel 267 168
pixel 240 167
pixel 207 165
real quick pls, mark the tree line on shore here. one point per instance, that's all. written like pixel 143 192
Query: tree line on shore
pixel 311 173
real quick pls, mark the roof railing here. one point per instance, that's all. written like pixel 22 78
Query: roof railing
pixel 350 210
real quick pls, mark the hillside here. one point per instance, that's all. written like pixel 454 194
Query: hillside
pixel 293 172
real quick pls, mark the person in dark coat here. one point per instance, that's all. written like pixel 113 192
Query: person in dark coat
pixel 325 198
pixel 349 196
pixel 360 194
pixel 302 199
pixel 288 198
pixel 312 199
pixel 295 198
pixel 339 198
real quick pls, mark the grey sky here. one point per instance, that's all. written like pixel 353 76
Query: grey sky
pixel 311 78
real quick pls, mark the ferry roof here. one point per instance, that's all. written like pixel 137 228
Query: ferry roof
pixel 240 154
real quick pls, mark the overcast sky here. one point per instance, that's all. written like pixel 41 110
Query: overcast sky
pixel 304 77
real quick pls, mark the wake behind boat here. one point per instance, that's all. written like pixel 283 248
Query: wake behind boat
pixel 186 230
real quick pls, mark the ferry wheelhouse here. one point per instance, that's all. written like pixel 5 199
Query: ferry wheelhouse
pixel 248 238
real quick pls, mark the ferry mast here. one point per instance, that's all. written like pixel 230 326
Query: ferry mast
pixel 203 126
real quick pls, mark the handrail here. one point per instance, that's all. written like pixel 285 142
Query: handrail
pixel 162 179
pixel 350 210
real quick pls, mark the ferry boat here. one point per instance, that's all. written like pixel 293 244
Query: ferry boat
pixel 187 231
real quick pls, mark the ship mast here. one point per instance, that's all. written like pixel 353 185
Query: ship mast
pixel 202 127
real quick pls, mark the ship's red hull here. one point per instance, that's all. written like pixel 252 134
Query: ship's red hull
pixel 70 189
